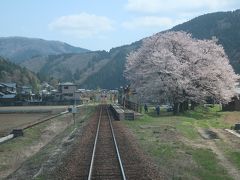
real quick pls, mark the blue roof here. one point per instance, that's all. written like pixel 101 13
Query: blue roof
pixel 9 96
pixel 13 85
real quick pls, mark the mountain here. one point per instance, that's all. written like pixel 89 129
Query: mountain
pixel 105 69
pixel 18 49
pixel 10 72
pixel 225 26
pixel 89 70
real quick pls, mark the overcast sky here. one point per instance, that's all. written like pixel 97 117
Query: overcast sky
pixel 100 24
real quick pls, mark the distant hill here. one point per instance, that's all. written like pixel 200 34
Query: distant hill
pixel 223 25
pixel 68 67
pixel 89 70
pixel 18 49
pixel 10 72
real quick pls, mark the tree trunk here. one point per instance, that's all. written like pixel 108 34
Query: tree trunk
pixel 181 107
pixel 185 104
pixel 176 108
pixel 193 105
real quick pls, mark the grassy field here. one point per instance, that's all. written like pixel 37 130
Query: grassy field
pixel 183 149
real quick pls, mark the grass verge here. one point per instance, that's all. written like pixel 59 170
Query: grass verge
pixel 174 143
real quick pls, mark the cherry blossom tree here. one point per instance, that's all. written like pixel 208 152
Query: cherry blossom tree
pixel 177 68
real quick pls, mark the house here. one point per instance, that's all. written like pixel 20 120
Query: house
pixel 26 90
pixel 8 88
pixel 25 93
pixel 8 99
pixel 8 93
pixel 46 86
pixel 66 91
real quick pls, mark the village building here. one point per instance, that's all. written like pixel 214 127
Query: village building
pixel 8 88
pixel 25 90
pixel 8 92
pixel 66 91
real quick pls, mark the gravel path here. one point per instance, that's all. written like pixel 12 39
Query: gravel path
pixel 211 143
pixel 136 163
pixel 73 165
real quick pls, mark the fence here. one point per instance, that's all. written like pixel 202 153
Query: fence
pixel 133 106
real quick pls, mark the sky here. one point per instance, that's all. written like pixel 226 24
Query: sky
pixel 100 24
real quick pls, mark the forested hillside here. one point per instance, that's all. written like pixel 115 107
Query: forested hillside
pixel 225 26
pixel 89 70
pixel 111 75
pixel 10 72
pixel 68 67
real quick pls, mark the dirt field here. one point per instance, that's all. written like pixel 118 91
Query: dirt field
pixel 42 147
pixel 34 139
pixel 16 109
pixel 20 116
pixel 17 120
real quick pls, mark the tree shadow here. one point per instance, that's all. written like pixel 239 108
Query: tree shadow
pixel 162 114
pixel 201 114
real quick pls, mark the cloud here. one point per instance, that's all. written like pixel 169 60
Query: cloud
pixel 150 6
pixel 82 25
pixel 159 6
pixel 151 22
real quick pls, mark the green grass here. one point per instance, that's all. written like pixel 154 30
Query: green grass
pixel 188 130
pixel 235 158
pixel 10 152
pixel 208 167
pixel 159 137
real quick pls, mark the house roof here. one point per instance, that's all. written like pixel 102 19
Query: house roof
pixel 12 85
pixel 9 96
pixel 67 84
pixel 10 92
pixel 26 87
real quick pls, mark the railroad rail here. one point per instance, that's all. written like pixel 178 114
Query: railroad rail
pixel 106 161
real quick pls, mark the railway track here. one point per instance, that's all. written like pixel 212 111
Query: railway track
pixel 91 155
pixel 106 161
pixel 95 156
